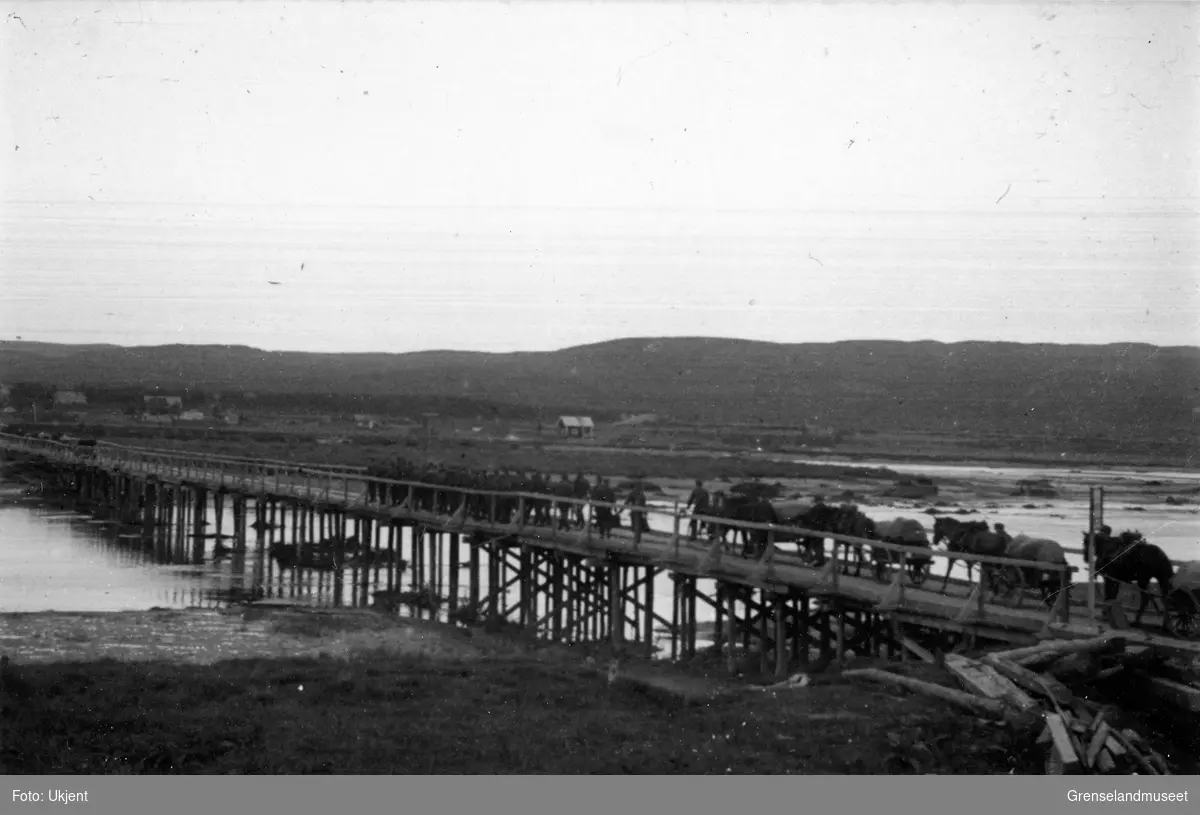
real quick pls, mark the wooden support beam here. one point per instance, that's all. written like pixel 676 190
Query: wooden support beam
pixel 781 653
pixel 616 609
pixel 965 610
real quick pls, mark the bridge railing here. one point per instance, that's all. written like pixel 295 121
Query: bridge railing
pixel 247 460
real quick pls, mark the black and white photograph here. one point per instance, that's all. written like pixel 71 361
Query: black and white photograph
pixel 579 388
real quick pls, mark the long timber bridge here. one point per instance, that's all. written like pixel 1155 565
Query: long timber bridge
pixel 563 584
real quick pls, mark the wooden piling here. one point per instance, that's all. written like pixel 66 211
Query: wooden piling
pixel 781 653
pixel 493 588
pixel 731 631
pixel 616 608
pixel 648 617
pixel 201 504
pixel 558 568
pixel 473 588
pixel 455 543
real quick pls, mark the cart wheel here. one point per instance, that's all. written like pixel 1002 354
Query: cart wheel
pixel 1183 619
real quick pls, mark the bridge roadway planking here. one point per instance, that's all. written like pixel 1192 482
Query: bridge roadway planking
pixel 783 574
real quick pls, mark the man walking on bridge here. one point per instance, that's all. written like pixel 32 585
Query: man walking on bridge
pixel 637 514
pixel 604 514
pixel 563 489
pixel 697 503
pixel 582 489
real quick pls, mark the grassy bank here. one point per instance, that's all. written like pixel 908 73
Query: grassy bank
pixel 408 714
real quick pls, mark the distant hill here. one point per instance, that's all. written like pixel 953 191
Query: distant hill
pixel 1121 390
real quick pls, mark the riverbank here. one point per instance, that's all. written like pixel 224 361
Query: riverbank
pixel 280 692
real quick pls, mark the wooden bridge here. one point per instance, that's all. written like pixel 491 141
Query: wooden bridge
pixel 566 584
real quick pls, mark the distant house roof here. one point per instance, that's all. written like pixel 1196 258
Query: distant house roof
pixel 576 421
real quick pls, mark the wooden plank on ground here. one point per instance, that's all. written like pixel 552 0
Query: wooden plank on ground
pixel 966 700
pixel 1081 713
pixel 1061 744
pixel 1032 682
pixel 984 680
pixel 1099 737
pixel 1053 649
pixel 1113 746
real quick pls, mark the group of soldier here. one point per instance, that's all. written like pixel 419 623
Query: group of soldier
pixel 487 504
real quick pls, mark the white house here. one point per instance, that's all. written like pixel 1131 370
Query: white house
pixel 191 416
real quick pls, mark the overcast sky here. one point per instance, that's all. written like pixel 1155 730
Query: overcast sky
pixel 525 176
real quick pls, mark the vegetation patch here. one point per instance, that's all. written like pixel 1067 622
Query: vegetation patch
pixel 512 714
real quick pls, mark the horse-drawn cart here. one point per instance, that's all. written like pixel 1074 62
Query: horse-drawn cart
pixel 1183 602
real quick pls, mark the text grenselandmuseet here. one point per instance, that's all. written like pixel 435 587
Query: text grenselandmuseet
pixel 1116 796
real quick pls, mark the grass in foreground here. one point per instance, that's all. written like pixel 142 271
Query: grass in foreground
pixel 388 714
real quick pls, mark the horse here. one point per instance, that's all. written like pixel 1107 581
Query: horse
pixel 946 527
pixel 972 538
pixel 906 532
pixel 1130 558
pixel 749 510
pixel 819 516
pixel 840 520
pixel 848 520
pixel 1043 550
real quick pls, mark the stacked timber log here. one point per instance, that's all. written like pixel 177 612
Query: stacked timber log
pixel 1028 688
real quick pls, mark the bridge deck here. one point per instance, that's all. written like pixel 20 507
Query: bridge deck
pixel 960 607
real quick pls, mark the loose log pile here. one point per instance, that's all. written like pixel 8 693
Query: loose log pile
pixel 1027 688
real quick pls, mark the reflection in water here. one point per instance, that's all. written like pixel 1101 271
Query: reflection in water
pixel 54 559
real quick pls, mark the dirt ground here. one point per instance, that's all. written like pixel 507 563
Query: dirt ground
pixel 206 636
pixel 350 692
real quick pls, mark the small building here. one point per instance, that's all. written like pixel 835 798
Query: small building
pixel 191 416
pixel 1036 488
pixel 231 417
pixel 364 421
pixel 575 427
pixel 69 398
pixel 157 418
pixel 5 394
